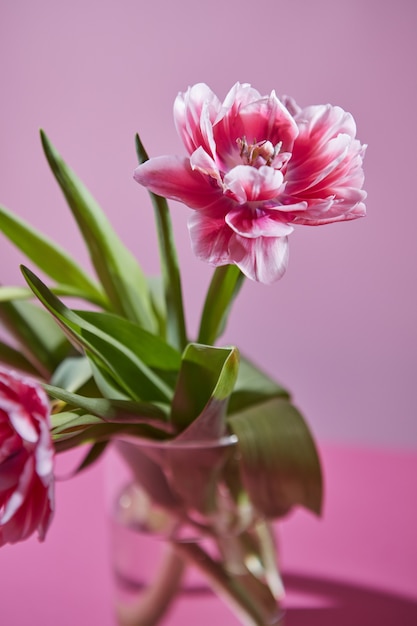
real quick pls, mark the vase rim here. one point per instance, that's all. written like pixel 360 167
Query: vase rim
pixel 178 443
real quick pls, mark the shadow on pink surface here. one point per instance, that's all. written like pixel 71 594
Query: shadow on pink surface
pixel 325 602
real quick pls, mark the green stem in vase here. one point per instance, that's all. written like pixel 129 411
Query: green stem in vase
pixel 242 592
pixel 269 558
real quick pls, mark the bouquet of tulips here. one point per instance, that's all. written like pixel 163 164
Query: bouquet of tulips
pixel 121 364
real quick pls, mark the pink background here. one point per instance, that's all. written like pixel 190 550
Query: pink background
pixel 339 329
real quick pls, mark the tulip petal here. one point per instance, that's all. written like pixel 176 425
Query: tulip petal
pixel 326 167
pixel 254 223
pixel 320 123
pixel 254 118
pixel 26 454
pixel 263 259
pixel 317 166
pixel 247 184
pixel 210 236
pixel 319 217
pixel 173 177
pixel 205 164
pixel 188 111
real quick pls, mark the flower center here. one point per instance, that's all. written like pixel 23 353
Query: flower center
pixel 258 153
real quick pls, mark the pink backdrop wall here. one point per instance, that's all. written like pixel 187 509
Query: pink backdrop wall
pixel 340 328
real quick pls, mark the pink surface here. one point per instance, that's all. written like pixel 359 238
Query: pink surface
pixel 339 329
pixel 356 566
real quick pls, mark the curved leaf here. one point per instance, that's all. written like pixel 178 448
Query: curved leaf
pixel 279 461
pixel 253 386
pixel 205 382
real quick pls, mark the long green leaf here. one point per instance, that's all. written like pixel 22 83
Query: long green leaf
pixel 106 384
pixel 14 293
pixel 140 381
pixel 103 432
pixel 66 422
pixel 279 461
pixel 224 287
pixel 156 290
pixel 48 256
pixel 118 270
pixel 72 374
pixel 23 293
pixel 151 349
pixel 43 344
pixel 127 369
pixel 117 411
pixel 176 332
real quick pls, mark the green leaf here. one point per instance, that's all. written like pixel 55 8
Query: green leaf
pixel 205 382
pixel 72 373
pixel 14 293
pixel 156 290
pixel 176 332
pixel 42 342
pixel 253 386
pixel 224 287
pixel 151 349
pixel 23 293
pixel 15 359
pixel 279 460
pixel 106 384
pixel 66 422
pixel 118 270
pixel 102 432
pixel 116 411
pixel 129 372
pixel 48 256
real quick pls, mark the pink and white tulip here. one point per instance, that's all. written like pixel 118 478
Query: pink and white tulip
pixel 26 459
pixel 256 167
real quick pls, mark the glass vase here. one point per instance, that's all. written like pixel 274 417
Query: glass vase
pixel 184 550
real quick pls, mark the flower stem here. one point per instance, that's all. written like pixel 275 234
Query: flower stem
pixel 154 602
pixel 175 320
pixel 225 284
pixel 245 599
